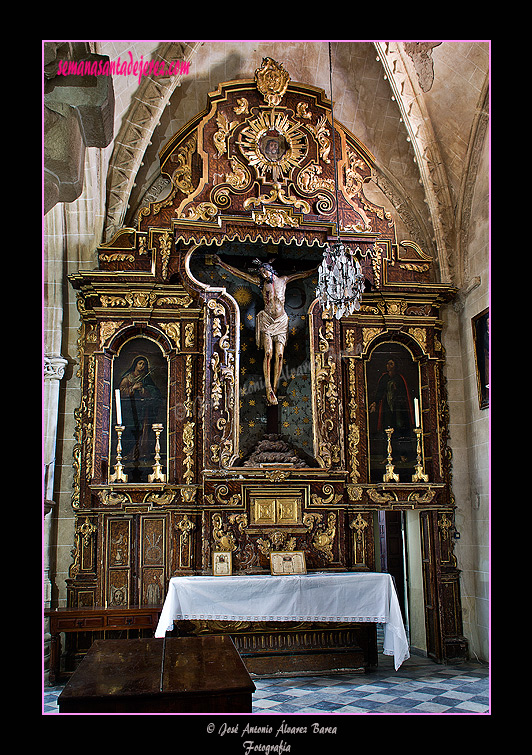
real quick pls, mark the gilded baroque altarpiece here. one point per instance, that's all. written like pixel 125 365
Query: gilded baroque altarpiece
pixel 168 352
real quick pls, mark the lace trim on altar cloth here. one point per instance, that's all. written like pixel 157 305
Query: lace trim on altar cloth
pixel 233 617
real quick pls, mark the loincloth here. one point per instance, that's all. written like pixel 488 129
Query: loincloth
pixel 275 327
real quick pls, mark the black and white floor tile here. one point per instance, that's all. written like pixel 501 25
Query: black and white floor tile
pixel 418 687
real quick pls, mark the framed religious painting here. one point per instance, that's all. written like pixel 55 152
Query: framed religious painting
pixel 222 564
pixel 288 562
pixel 140 394
pixel 393 389
pixel 480 325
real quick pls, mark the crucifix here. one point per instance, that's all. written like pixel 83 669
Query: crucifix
pixel 271 325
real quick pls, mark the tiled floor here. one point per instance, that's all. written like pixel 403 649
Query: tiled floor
pixel 418 687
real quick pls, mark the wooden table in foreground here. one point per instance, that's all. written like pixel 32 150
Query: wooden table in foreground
pixel 172 675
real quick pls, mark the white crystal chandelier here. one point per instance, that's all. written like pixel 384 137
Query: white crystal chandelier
pixel 340 279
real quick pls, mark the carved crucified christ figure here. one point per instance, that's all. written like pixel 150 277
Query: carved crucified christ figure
pixel 271 328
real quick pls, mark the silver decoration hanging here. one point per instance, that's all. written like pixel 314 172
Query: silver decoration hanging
pixel 340 281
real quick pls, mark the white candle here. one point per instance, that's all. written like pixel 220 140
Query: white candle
pixel 416 411
pixel 118 407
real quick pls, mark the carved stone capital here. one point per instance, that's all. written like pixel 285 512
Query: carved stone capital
pixel 54 368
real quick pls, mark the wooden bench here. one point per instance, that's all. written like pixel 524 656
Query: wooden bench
pixel 94 619
pixel 172 675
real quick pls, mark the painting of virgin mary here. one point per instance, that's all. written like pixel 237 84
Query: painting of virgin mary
pixel 138 377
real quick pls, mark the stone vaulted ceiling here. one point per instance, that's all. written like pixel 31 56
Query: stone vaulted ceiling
pixel 421 108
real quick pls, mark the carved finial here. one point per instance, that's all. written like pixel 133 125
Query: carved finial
pixel 272 81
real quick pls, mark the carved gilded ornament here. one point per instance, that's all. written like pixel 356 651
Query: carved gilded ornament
pixel 384 497
pixel 322 133
pixel 359 524
pixel 182 175
pixel 165 245
pixel 353 432
pixel 223 386
pixel 291 145
pixel 224 129
pixel 420 335
pixel 173 331
pixel 272 81
pixel 309 179
pixel 112 497
pixel 326 398
pixel 445 525
pixel 240 178
pixel 242 107
pixel 278 541
pixel 162 498
pixel 188 448
pixel 330 496
pixel 219 493
pixel 368 334
pixel 224 541
pixel 323 538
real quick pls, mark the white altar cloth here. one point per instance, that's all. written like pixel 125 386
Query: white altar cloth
pixel 345 596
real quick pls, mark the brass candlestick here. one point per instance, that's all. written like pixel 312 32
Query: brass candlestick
pixel 419 475
pixel 119 475
pixel 157 475
pixel 389 475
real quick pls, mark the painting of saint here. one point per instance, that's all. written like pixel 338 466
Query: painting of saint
pixel 392 385
pixel 140 378
pixel 273 147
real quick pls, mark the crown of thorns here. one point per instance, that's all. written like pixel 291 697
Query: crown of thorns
pixel 263 265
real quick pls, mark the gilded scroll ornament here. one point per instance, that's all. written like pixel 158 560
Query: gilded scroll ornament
pixel 242 107
pixel 204 211
pixel 420 334
pixel 240 177
pixel 224 129
pixel 165 244
pixel 117 257
pixel 384 497
pixel 425 496
pixel 302 110
pixel 173 331
pixel 368 334
pixel 182 175
pixel 163 498
pixel 112 497
pixel 309 179
pixel 322 133
pixel 272 81
pixel 108 329
pixel 179 301
pixel 277 476
pixel 330 496
pixel 326 397
pixel 225 541
pixel 188 448
pixel 219 493
pixel 353 432
pixel 324 535
pixel 275 217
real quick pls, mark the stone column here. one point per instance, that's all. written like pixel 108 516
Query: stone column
pixel 54 369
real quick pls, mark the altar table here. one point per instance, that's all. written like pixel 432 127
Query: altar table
pixel 335 597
